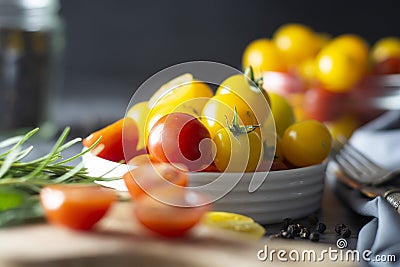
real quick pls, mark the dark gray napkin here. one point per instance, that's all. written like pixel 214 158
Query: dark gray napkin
pixel 381 235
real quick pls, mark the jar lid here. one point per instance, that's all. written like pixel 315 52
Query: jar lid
pixel 12 7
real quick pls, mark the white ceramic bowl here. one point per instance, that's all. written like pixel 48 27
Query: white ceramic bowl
pixel 292 193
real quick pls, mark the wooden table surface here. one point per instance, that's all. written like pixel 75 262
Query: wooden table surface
pixel 119 241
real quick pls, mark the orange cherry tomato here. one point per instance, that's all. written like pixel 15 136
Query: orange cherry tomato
pixel 144 178
pixel 78 207
pixel 112 146
pixel 168 220
pixel 142 160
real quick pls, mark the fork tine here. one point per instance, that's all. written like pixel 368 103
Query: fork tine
pixel 347 167
pixel 359 156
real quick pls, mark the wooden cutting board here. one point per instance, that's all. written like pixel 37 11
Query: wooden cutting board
pixel 120 242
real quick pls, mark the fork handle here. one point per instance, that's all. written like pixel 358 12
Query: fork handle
pixel 393 197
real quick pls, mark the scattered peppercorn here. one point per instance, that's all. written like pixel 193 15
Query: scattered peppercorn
pixel 286 234
pixel 294 229
pixel 339 227
pixel 287 222
pixel 304 233
pixel 314 237
pixel 346 232
pixel 321 227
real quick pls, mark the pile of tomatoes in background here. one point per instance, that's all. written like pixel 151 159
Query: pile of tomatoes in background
pixel 330 79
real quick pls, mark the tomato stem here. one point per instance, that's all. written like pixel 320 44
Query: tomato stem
pixel 238 129
pixel 249 72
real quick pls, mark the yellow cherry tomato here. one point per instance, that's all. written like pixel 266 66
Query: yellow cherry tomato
pixel 307 70
pixel 306 143
pixel 263 55
pixel 237 223
pixel 139 113
pixel 219 110
pixel 296 42
pixel 343 127
pixel 282 114
pixel 240 153
pixel 387 47
pixel 337 70
pixel 273 147
pixel 355 46
pixel 255 98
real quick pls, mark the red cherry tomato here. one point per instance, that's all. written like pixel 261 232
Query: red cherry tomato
pixel 144 178
pixel 324 105
pixel 390 65
pixel 181 138
pixel 171 220
pixel 118 140
pixel 78 207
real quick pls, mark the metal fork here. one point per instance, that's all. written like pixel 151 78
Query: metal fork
pixel 362 174
pixel 359 167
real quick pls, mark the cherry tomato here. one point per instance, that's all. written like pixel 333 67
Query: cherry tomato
pixel 181 138
pixel 220 108
pixel 389 65
pixel 323 105
pixel 118 140
pixel 343 126
pixel 78 207
pixel 387 47
pixel 142 160
pixel 306 143
pixel 143 179
pixel 282 114
pixel 338 70
pixel 296 42
pixel 257 99
pixel 355 46
pixel 263 55
pixel 240 153
pixel 171 212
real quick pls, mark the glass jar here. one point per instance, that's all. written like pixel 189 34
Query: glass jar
pixel 31 48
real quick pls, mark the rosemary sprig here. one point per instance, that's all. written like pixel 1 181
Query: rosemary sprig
pixel 21 181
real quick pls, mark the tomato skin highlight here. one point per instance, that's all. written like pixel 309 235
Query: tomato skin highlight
pixel 181 138
pixel 145 178
pixel 118 140
pixel 167 220
pixel 77 207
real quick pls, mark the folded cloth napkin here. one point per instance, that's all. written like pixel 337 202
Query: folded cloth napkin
pixel 380 140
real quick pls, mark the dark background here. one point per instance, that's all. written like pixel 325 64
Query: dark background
pixel 112 46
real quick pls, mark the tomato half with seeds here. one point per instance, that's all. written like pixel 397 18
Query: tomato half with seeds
pixel 180 138
pixel 78 207
pixel 171 212
pixel 145 178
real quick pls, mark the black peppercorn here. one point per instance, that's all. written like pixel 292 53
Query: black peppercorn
pixel 287 222
pixel 346 232
pixel 339 228
pixel 294 229
pixel 286 234
pixel 314 237
pixel 321 227
pixel 304 233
